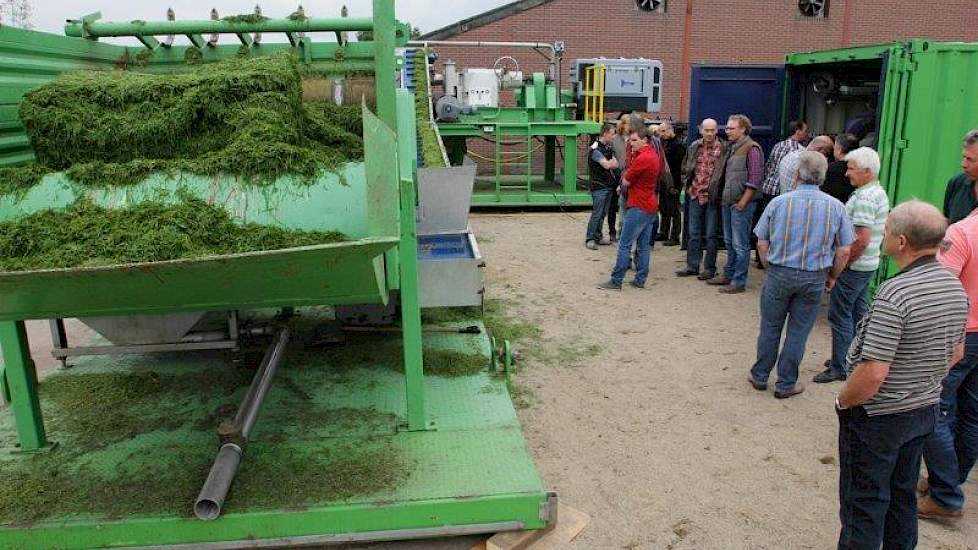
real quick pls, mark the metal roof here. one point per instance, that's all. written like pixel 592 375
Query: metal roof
pixel 483 18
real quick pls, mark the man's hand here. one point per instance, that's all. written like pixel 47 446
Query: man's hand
pixel 613 163
pixel 830 282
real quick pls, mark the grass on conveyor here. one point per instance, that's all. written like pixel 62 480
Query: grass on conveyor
pixel 240 117
pixel 430 149
pixel 88 235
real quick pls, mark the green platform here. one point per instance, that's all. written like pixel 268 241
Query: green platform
pixel 336 407
pixel 542 193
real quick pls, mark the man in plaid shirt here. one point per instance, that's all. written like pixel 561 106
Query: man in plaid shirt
pixel 799 134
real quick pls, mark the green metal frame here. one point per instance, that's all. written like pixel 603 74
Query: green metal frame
pixel 508 494
pixel 541 112
pixel 242 279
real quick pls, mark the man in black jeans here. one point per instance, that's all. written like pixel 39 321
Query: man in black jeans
pixel 669 197
pixel 888 407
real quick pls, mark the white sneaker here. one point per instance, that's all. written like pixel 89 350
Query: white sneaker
pixel 605 241
pixel 591 245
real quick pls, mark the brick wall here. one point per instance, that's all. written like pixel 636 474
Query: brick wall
pixel 723 31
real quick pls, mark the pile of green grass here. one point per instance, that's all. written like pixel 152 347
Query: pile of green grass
pixel 87 235
pixel 240 117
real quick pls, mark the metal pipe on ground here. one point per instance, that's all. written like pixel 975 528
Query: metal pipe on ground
pixel 210 501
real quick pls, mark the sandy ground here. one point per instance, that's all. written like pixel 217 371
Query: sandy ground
pixel 642 416
pixel 658 436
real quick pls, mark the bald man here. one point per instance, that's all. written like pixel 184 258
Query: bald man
pixel 702 171
pixel 913 332
pixel 789 164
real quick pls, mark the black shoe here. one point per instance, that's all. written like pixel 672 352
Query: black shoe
pixel 706 276
pixel 671 242
pixel 828 375
pixel 609 285
pixel 686 273
pixel 759 386
pixel 636 285
pixel 795 390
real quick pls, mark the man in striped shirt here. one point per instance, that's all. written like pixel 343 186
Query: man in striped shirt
pixel 913 332
pixel 867 208
pixel 802 236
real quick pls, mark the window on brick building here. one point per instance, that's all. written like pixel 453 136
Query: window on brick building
pixel 813 8
pixel 657 6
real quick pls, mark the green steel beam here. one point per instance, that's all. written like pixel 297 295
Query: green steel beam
pixel 281 524
pixel 22 386
pixel 407 155
pixel 148 41
pixel 98 29
pixel 384 62
pixel 196 39
pixel 568 128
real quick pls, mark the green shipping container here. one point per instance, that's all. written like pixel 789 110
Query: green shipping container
pixel 923 96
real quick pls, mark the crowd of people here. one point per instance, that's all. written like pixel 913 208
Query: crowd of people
pixel 819 219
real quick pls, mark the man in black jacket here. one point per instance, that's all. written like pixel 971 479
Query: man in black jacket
pixel 961 197
pixel 671 225
pixel 603 167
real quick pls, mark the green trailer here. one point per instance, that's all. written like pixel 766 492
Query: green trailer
pixel 403 433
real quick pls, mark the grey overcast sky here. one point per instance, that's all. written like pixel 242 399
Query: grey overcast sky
pixel 428 15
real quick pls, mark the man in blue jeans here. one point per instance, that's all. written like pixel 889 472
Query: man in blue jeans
pixel 701 175
pixel 952 450
pixel 602 166
pixel 801 237
pixel 742 177
pixel 866 208
pixel 887 408
pixel 641 212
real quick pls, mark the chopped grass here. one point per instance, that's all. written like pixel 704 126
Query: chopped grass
pixel 240 117
pixel 505 327
pixel 430 149
pixel 88 235
pixel 245 18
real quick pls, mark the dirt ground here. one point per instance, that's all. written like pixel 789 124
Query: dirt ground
pixel 646 420
pixel 640 413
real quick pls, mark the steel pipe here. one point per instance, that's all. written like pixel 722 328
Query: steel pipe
pixel 210 501
pixel 98 29
pixel 553 58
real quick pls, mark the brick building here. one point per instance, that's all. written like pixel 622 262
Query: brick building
pixel 683 32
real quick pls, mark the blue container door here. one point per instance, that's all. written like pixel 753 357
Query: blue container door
pixel 756 91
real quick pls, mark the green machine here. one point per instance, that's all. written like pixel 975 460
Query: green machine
pixel 541 123
pixel 338 434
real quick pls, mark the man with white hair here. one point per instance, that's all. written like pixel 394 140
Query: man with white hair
pixel 803 238
pixel 914 330
pixel 866 208
pixel 961 196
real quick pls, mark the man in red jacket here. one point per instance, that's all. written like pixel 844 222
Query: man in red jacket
pixel 641 209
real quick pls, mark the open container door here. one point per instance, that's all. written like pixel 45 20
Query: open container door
pixel 718 91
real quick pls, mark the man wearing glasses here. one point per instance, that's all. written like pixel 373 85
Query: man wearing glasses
pixel 743 175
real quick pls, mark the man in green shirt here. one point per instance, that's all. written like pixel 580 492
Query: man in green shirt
pixel 866 209
pixel 961 197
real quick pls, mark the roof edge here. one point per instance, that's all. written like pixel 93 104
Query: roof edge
pixel 483 19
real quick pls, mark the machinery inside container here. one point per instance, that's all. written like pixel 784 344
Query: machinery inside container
pixel 832 97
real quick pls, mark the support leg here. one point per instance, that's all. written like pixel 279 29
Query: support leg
pixel 22 384
pixel 570 164
pixel 549 158
pixel 408 265
pixel 59 339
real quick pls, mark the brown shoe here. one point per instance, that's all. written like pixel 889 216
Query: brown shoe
pixel 795 390
pixel 732 290
pixel 928 509
pixel 923 486
pixel 719 280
